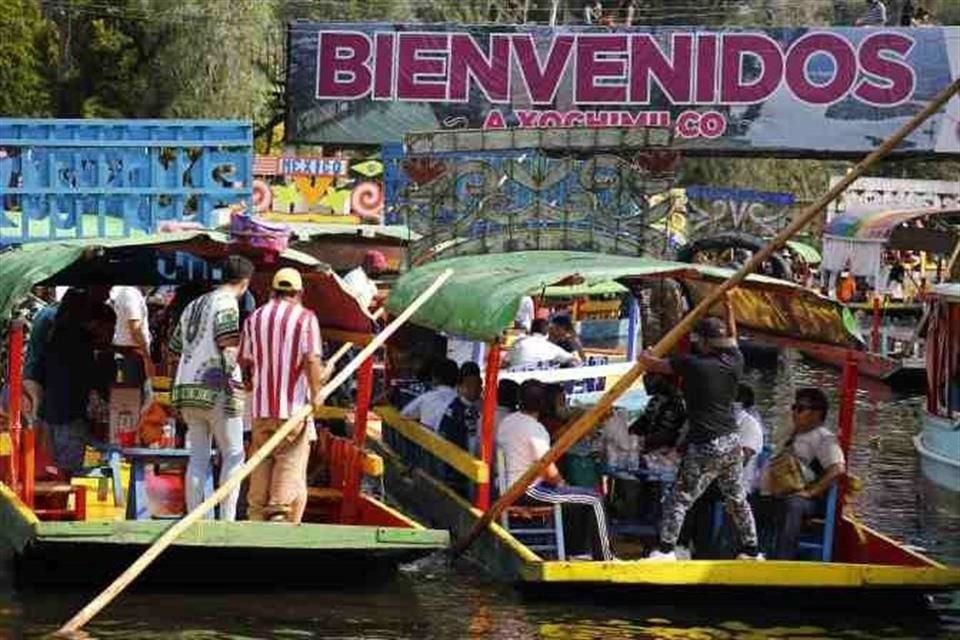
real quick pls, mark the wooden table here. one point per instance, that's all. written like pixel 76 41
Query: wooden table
pixel 140 457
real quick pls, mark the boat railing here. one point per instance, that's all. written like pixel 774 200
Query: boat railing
pixel 433 454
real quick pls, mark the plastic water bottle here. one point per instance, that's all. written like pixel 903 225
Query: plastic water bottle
pixel 167 440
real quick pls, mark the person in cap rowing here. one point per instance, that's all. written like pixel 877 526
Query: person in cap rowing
pixel 710 380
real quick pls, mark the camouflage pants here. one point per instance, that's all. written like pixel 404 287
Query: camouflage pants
pixel 719 459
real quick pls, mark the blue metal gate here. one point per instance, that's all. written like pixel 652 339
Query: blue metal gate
pixel 63 179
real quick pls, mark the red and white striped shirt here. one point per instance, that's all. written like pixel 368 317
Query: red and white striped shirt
pixel 277 339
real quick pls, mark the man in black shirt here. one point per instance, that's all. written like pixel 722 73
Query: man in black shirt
pixel 710 380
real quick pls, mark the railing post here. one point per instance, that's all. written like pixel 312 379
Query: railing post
pixel 491 379
pixel 15 389
pixel 846 419
pixel 633 325
pixel 354 469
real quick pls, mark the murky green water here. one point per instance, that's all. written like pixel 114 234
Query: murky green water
pixel 431 600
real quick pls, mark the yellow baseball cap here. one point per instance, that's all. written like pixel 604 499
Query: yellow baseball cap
pixel 287 279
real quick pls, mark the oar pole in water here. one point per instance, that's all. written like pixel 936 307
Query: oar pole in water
pixel 179 527
pixel 589 420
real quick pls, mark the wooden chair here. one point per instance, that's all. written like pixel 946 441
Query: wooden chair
pixel 539 527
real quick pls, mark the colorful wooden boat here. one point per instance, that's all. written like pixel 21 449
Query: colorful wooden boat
pixel 480 301
pixel 939 442
pixel 859 240
pixel 72 533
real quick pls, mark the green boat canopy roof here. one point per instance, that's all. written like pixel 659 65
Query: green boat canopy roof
pixel 810 255
pixel 606 288
pixel 481 300
pixel 115 261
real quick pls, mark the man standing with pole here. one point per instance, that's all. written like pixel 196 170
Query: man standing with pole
pixel 710 380
pixel 281 354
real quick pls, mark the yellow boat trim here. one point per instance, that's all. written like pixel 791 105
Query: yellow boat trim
pixel 331 413
pixel 475 470
pixel 7 494
pixel 522 551
pixel 740 573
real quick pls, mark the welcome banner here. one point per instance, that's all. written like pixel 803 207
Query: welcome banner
pixel 798 90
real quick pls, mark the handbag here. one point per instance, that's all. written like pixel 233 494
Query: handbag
pixel 785 472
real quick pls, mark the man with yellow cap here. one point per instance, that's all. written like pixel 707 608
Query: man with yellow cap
pixel 281 353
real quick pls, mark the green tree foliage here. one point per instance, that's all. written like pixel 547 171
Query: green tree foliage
pixel 206 65
pixel 26 52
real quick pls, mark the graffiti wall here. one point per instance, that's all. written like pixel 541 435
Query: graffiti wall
pixel 492 202
pixel 119 178
pixel 712 210
pixel 318 189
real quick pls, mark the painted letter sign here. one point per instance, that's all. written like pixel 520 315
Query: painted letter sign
pixel 790 90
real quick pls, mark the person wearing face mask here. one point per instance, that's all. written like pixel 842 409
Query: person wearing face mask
pixel 459 423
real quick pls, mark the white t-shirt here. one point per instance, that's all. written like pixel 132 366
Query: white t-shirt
pixel 751 437
pixel 361 286
pixel 523 441
pixel 819 444
pixel 525 313
pixel 129 304
pixel 536 349
pixel 428 408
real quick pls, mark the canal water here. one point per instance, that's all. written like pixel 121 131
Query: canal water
pixel 432 600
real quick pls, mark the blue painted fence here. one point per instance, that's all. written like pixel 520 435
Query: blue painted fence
pixel 62 179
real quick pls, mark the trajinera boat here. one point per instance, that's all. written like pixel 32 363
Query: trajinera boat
pixel 859 240
pixel 939 442
pixel 479 304
pixel 87 531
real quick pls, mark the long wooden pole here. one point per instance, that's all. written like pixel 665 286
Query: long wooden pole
pixel 588 421
pixel 171 534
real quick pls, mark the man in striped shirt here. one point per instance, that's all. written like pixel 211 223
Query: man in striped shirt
pixel 280 351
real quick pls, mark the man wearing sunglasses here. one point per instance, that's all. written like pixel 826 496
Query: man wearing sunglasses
pixel 710 379
pixel 821 460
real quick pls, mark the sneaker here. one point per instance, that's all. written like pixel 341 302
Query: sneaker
pixel 683 553
pixel 657 555
pixel 746 556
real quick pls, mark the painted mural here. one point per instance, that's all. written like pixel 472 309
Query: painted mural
pixel 713 210
pixel 318 189
pixel 492 202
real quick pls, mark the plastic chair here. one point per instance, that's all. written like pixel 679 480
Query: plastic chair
pixel 546 537
pixel 107 471
pixel 822 545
